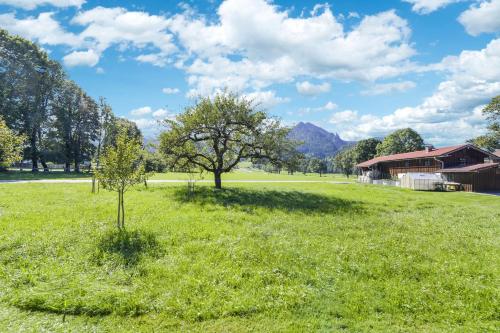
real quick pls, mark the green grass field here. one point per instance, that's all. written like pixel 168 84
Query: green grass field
pixel 244 174
pixel 262 257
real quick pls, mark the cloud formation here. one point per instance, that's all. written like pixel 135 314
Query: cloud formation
pixel 453 111
pixel 429 6
pixel 309 89
pixel 32 4
pixel 482 18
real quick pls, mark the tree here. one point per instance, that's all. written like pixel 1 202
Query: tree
pixel 293 161
pixel 491 140
pixel 121 167
pixel 11 145
pixel 487 142
pixel 345 161
pixel 401 141
pixel 217 133
pixel 28 83
pixel 119 125
pixel 318 165
pixel 365 150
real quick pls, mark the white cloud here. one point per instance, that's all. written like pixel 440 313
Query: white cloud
pixel 141 111
pixel 266 99
pixel 329 106
pixel 170 91
pixel 32 4
pixel 347 116
pixel 43 29
pixel 161 113
pixel 453 113
pixel 155 59
pixel 484 17
pixel 386 88
pixel 81 58
pixel 310 89
pixel 429 6
pixel 262 45
pixel 145 124
pixel 108 26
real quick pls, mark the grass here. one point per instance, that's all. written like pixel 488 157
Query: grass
pixel 252 257
pixel 244 174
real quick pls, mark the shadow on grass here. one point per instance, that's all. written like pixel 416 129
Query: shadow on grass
pixel 271 199
pixel 127 247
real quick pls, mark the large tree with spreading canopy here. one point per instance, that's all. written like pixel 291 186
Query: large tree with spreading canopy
pixel 217 133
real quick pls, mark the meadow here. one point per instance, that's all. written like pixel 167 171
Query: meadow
pixel 242 174
pixel 284 257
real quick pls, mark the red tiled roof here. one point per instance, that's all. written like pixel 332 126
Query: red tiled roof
pixel 415 154
pixel 470 168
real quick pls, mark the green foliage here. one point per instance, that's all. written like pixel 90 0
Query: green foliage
pixel 491 140
pixel 345 161
pixel 317 165
pixel 486 142
pixel 121 167
pixel 250 258
pixel 365 150
pixel 400 141
pixel 60 121
pixel 217 134
pixel 11 145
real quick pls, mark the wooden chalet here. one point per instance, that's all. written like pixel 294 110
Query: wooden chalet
pixel 474 168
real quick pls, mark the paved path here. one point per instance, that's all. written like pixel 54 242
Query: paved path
pixel 152 181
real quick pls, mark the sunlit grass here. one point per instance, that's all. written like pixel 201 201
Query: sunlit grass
pixel 252 257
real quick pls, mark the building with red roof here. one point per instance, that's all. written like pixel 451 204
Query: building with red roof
pixel 466 164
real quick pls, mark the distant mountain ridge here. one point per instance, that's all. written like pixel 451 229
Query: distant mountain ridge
pixel 317 141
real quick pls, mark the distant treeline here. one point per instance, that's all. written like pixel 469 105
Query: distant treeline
pixel 59 120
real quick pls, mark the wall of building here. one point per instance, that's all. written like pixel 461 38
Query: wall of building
pixel 487 180
pixel 463 157
pixel 425 165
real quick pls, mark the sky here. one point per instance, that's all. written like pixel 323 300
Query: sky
pixel 359 68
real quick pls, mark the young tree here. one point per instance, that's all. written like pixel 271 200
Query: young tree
pixel 11 146
pixel 401 141
pixel 216 134
pixel 121 167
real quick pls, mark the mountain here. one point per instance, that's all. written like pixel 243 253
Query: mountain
pixel 317 141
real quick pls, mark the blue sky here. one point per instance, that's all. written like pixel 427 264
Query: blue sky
pixel 359 68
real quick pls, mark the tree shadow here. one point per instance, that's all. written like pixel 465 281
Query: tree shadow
pixel 289 201
pixel 127 247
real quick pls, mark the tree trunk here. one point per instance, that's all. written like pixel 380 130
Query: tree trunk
pixel 34 167
pixel 67 166
pixel 34 153
pixel 123 212
pixel 118 219
pixel 44 164
pixel 218 179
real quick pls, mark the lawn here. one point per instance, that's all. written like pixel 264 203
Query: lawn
pixel 295 257
pixel 243 174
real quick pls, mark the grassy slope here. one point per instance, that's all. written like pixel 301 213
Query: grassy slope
pixel 265 257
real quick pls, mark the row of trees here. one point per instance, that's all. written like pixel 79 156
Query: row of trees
pixel 400 141
pixel 59 121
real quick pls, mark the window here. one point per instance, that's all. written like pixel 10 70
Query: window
pixel 407 163
pixel 427 163
pixel 463 161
